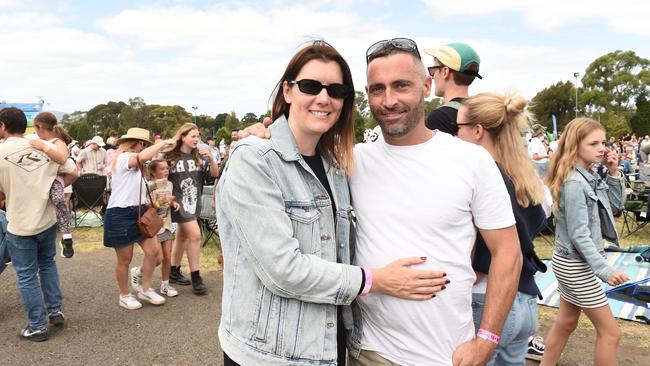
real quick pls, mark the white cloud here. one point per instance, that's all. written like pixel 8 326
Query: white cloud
pixel 627 16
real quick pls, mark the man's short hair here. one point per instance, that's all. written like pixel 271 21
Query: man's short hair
pixel 209 138
pixel 14 120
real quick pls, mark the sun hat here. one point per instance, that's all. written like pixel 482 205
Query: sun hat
pixel 457 56
pixel 136 133
pixel 98 140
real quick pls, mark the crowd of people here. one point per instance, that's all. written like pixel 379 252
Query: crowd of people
pixel 414 249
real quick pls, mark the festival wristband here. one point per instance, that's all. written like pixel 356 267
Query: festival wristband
pixel 366 289
pixel 488 336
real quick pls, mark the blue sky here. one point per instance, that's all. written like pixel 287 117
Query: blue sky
pixel 224 56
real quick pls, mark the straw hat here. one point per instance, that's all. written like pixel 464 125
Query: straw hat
pixel 136 133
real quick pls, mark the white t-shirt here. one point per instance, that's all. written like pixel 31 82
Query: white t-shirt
pixel 125 184
pixel 536 146
pixel 424 200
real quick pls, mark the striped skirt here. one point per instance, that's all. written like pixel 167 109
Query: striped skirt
pixel 577 283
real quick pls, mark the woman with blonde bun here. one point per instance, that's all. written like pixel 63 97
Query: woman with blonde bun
pixel 495 121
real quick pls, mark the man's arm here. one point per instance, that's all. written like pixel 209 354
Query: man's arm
pixel 503 280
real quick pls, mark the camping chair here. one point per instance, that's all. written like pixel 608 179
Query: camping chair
pixel 635 211
pixel 88 196
pixel 208 215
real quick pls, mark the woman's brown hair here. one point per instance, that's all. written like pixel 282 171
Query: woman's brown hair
pixel 337 143
pixel 48 121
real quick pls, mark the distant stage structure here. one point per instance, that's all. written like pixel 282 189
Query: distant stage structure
pixel 30 109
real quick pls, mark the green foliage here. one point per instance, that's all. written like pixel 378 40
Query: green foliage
pixel 616 80
pixel 558 99
pixel 222 133
pixel 640 122
pixel 431 105
pixel 616 124
pixel 363 119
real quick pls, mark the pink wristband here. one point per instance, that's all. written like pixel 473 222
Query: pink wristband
pixel 488 336
pixel 366 287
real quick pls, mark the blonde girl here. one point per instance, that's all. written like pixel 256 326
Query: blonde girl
pixel 583 207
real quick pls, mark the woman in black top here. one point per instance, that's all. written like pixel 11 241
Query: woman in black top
pixel 494 121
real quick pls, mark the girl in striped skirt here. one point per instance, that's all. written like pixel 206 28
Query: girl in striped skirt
pixel 583 206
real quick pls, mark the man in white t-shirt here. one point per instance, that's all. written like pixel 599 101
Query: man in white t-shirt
pixel 537 150
pixel 411 198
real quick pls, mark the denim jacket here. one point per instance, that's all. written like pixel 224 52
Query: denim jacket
pixel 578 229
pixel 280 246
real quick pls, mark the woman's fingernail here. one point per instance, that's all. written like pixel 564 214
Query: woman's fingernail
pixel 447 282
pixel 434 295
pixel 423 258
pixel 444 287
pixel 444 275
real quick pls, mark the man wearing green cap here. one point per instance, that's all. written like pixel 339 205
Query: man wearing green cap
pixel 455 66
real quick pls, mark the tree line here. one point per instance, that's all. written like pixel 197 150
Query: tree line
pixel 614 90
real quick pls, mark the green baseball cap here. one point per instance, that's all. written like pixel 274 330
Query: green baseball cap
pixel 457 56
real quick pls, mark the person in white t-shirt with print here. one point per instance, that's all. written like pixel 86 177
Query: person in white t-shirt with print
pixel 411 198
pixel 537 149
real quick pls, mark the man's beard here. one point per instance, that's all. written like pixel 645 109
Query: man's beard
pixel 406 124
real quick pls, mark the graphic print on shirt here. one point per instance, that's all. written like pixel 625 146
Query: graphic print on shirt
pixel 189 195
pixel 28 159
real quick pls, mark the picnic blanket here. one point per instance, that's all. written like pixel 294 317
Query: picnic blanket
pixel 622 261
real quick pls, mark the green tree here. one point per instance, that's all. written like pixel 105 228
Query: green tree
pixel 222 134
pixel 640 122
pixel 431 105
pixel 616 80
pixel 557 99
pixel 249 119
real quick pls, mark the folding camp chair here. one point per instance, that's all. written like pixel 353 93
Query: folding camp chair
pixel 208 216
pixel 635 212
pixel 88 197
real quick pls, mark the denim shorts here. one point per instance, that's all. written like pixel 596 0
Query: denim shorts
pixel 120 226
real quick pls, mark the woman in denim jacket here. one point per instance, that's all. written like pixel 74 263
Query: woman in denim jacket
pixel 285 226
pixel 582 203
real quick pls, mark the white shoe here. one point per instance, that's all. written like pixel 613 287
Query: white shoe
pixel 152 296
pixel 129 302
pixel 135 279
pixel 168 290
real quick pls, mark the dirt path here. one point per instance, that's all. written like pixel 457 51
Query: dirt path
pixel 181 332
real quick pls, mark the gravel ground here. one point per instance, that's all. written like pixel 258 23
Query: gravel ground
pixel 98 331
pixel 181 332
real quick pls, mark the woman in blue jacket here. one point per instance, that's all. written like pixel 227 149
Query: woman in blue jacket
pixel 583 207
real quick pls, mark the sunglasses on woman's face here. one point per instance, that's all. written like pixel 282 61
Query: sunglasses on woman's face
pixel 314 87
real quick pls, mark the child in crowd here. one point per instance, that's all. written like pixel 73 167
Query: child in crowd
pixel 583 207
pixel 54 143
pixel 163 200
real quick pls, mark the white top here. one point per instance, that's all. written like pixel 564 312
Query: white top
pixel 125 184
pixel 424 200
pixel 536 146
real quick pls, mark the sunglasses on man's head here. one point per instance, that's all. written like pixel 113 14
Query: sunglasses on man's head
pixel 403 44
pixel 314 87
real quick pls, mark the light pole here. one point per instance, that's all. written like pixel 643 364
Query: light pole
pixel 576 74
pixel 195 108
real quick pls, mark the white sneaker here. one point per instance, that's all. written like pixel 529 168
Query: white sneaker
pixel 152 296
pixel 135 279
pixel 168 290
pixel 129 302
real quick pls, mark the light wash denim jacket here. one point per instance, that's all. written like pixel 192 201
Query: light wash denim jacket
pixel 280 246
pixel 577 231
